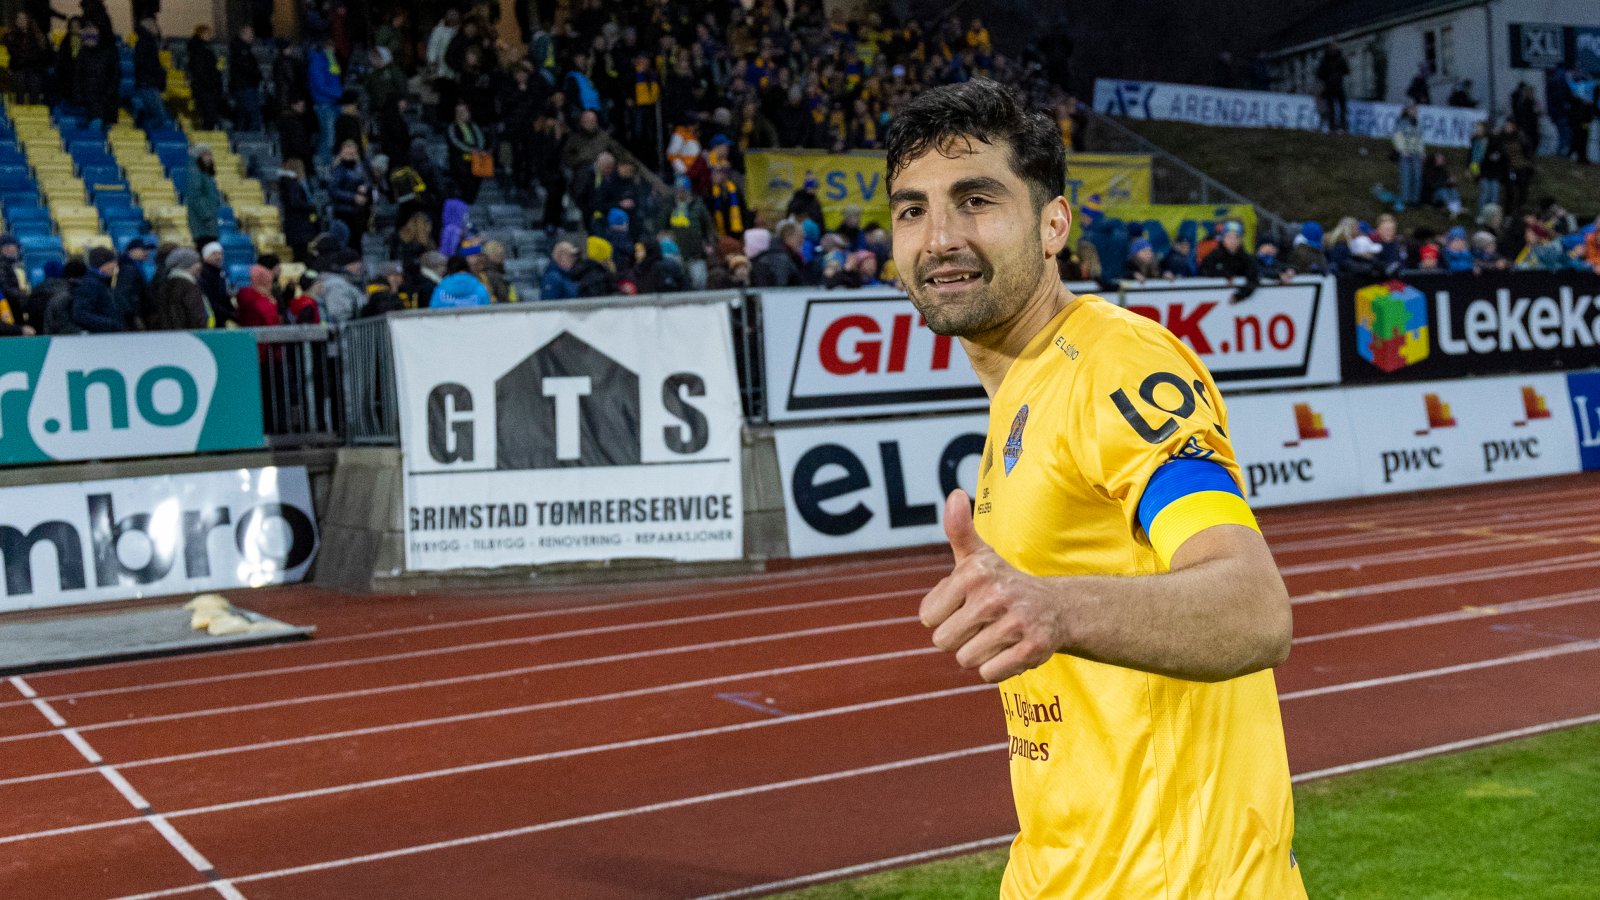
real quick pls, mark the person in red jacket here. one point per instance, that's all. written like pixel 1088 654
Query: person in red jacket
pixel 257 309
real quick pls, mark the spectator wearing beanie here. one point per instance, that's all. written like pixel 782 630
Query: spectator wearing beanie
pixel 94 306
pixel 201 196
pixel 337 291
pixel 1141 264
pixel 692 229
pixel 257 309
pixel 1231 260
pixel 1306 254
pixel 180 304
pixel 213 284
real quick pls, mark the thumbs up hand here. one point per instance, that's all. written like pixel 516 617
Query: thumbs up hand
pixel 993 617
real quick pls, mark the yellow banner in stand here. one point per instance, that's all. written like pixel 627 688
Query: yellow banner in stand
pixel 858 179
pixel 1172 218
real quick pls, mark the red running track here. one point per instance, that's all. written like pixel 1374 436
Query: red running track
pixel 727 737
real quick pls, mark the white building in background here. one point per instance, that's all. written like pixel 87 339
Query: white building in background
pixel 1495 44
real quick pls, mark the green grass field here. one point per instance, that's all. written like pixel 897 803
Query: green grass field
pixel 1308 175
pixel 1519 820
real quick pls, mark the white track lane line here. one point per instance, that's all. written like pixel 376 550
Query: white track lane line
pixel 479 676
pixel 1465 614
pixel 820 779
pixel 655 740
pixel 893 862
pixel 136 800
pixel 486 645
pixel 1575 562
pixel 1551 537
pixel 1453 746
pixel 765 588
pixel 490 713
pixel 1558 564
pixel 491 765
pixel 1525 656
pixel 593 818
pixel 864 868
pixel 1437 504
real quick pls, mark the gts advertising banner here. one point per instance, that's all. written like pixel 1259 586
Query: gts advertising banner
pixel 539 435
pixel 93 541
pixel 1423 327
pixel 121 395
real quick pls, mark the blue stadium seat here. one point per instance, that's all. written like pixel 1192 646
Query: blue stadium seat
pixel 110 196
pixel 31 243
pixel 9 170
pixel 1189 231
pixel 1156 234
pixel 9 199
pixel 114 215
pixel 31 218
pixel 34 262
pixel 99 173
pixel 239 273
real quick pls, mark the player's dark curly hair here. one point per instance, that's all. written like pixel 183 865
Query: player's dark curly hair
pixel 986 111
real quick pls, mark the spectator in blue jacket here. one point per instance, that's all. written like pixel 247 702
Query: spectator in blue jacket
pixel 558 283
pixel 460 288
pixel 94 307
pixel 327 86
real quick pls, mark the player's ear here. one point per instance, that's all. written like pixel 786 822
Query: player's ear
pixel 1055 223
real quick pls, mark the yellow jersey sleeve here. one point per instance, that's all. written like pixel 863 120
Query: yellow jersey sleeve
pixel 1152 437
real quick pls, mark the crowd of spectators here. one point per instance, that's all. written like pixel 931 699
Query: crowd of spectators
pixel 623 128
pixel 622 125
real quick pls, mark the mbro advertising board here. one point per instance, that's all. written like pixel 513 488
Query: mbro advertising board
pixel 875 485
pixel 122 539
pixel 533 436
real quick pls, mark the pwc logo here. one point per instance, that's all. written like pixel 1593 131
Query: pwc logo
pixel 88 397
pixel 1289 472
pixel 872 352
pixel 566 405
pixel 1391 325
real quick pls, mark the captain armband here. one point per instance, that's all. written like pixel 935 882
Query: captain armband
pixel 1187 496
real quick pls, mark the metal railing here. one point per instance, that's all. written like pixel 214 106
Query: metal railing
pixel 371 410
pixel 1172 179
pixel 301 404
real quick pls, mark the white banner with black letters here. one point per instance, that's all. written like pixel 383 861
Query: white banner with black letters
pixel 1443 126
pixel 536 435
pixel 126 538
pixel 875 485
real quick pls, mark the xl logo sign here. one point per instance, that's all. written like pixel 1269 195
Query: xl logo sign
pixel 566 404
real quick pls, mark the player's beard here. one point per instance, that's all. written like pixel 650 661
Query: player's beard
pixel 1003 288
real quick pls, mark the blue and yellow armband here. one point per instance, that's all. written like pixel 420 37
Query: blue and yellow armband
pixel 1185 497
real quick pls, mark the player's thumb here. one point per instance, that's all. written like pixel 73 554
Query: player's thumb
pixel 958 527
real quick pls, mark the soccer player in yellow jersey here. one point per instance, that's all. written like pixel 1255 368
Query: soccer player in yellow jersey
pixel 1109 575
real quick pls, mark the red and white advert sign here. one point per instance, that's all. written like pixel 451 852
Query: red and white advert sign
pixel 848 353
pixel 1282 335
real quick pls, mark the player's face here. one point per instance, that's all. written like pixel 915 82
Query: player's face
pixel 966 237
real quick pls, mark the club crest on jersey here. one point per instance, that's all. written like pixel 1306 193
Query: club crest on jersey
pixel 1013 451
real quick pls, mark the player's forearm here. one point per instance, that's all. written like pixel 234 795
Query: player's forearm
pixel 1215 619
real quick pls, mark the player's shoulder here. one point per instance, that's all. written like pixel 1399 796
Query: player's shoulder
pixel 1111 338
